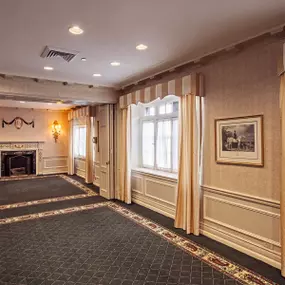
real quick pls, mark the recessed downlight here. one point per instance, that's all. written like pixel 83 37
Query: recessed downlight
pixel 48 68
pixel 115 63
pixel 22 102
pixel 83 59
pixel 75 30
pixel 97 75
pixel 49 103
pixel 141 47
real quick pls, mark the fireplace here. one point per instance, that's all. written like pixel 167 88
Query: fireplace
pixel 14 163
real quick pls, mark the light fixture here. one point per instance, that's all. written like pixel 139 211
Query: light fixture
pixel 75 30
pixel 56 130
pixel 22 102
pixel 83 59
pixel 141 47
pixel 115 63
pixel 49 103
pixel 97 75
pixel 48 68
pixel 59 102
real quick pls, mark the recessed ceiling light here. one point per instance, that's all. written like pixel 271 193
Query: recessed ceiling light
pixel 49 103
pixel 22 102
pixel 97 75
pixel 75 30
pixel 83 59
pixel 48 68
pixel 115 63
pixel 141 47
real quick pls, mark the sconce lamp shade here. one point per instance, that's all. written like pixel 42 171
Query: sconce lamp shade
pixel 56 130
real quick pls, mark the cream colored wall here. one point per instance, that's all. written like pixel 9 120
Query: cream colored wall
pixel 54 154
pixel 241 204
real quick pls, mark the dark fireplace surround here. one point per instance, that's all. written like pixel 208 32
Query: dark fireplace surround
pixel 14 163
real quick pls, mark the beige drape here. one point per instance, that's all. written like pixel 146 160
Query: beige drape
pixel 70 150
pixel 189 173
pixel 125 156
pixel 282 203
pixel 89 151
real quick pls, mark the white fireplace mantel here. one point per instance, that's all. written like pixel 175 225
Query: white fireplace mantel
pixel 23 146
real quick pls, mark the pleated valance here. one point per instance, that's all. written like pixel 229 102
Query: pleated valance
pixel 190 84
pixel 88 111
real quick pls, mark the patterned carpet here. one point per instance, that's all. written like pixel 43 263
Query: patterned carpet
pixel 91 241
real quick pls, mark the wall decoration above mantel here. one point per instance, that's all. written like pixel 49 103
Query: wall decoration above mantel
pixel 18 122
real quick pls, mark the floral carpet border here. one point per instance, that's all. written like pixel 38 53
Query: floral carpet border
pixel 216 261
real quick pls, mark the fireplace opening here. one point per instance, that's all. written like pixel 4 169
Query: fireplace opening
pixel 14 163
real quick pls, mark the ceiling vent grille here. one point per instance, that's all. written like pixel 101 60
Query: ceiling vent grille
pixel 50 52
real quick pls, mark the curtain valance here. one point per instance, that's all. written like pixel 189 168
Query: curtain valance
pixel 88 111
pixel 190 84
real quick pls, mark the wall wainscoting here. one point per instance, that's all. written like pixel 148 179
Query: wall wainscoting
pixel 80 167
pixel 55 164
pixel 247 223
pixel 96 168
pixel 154 192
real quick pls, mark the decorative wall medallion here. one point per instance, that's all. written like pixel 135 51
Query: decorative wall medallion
pixel 18 122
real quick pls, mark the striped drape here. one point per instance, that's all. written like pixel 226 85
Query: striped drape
pixel 186 85
pixel 88 111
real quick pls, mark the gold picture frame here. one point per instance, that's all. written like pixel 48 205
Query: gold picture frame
pixel 239 141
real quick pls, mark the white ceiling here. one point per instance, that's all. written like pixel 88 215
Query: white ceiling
pixel 175 31
pixel 34 105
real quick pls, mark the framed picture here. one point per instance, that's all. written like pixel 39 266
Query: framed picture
pixel 240 140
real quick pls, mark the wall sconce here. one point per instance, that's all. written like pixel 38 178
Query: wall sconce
pixel 56 130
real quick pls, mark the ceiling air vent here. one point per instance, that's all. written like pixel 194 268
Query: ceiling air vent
pixel 50 52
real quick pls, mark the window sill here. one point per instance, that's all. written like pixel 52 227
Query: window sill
pixel 157 173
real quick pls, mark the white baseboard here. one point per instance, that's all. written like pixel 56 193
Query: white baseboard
pixel 235 242
pixel 153 205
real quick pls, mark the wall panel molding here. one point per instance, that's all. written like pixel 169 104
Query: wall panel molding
pixel 251 224
pixel 154 192
pixel 55 164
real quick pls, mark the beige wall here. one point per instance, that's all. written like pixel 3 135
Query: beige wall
pixel 246 84
pixel 54 154
pixel 241 204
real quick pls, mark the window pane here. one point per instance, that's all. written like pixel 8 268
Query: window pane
pixel 168 108
pixel 148 144
pixel 162 109
pixel 82 141
pixel 175 107
pixel 151 111
pixel 76 141
pixel 163 144
pixel 175 145
pixel 147 111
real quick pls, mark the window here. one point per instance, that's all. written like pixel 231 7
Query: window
pixel 159 132
pixel 79 141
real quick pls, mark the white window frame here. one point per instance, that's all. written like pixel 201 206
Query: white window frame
pixel 78 155
pixel 156 118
